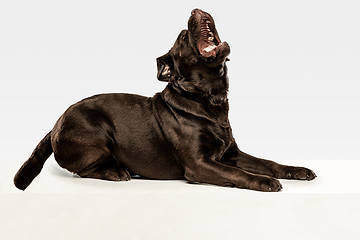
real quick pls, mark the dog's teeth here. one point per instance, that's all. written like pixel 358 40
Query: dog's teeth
pixel 211 36
pixel 208 21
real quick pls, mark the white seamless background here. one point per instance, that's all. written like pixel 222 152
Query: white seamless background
pixel 294 70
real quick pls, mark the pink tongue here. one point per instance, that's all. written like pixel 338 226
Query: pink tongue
pixel 209 48
pixel 208 51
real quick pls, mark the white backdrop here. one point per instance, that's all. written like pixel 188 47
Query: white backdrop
pixel 294 69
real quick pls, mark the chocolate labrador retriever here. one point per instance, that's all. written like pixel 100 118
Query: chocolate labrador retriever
pixel 181 133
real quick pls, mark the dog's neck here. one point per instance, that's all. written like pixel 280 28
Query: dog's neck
pixel 210 105
pixel 196 105
pixel 214 91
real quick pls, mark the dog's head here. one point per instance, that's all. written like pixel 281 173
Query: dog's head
pixel 196 62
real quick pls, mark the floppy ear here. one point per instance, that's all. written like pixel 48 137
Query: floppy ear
pixel 165 68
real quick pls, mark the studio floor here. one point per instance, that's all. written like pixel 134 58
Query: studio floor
pixel 58 205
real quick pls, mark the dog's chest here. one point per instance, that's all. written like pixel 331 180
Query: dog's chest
pixel 194 130
pixel 215 141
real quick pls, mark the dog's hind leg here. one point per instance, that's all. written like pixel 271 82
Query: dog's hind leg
pixel 90 161
pixel 106 172
pixel 104 168
pixel 83 142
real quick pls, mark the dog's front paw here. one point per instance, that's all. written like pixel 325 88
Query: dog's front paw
pixel 299 173
pixel 264 184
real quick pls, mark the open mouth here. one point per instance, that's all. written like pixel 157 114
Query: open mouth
pixel 208 40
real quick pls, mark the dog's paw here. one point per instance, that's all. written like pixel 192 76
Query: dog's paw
pixel 299 173
pixel 265 184
pixel 110 174
pixel 122 175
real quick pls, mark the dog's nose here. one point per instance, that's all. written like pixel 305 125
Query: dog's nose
pixel 195 11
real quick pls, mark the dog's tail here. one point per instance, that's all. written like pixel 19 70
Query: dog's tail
pixel 32 167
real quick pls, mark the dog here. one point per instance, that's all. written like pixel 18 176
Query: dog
pixel 182 132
